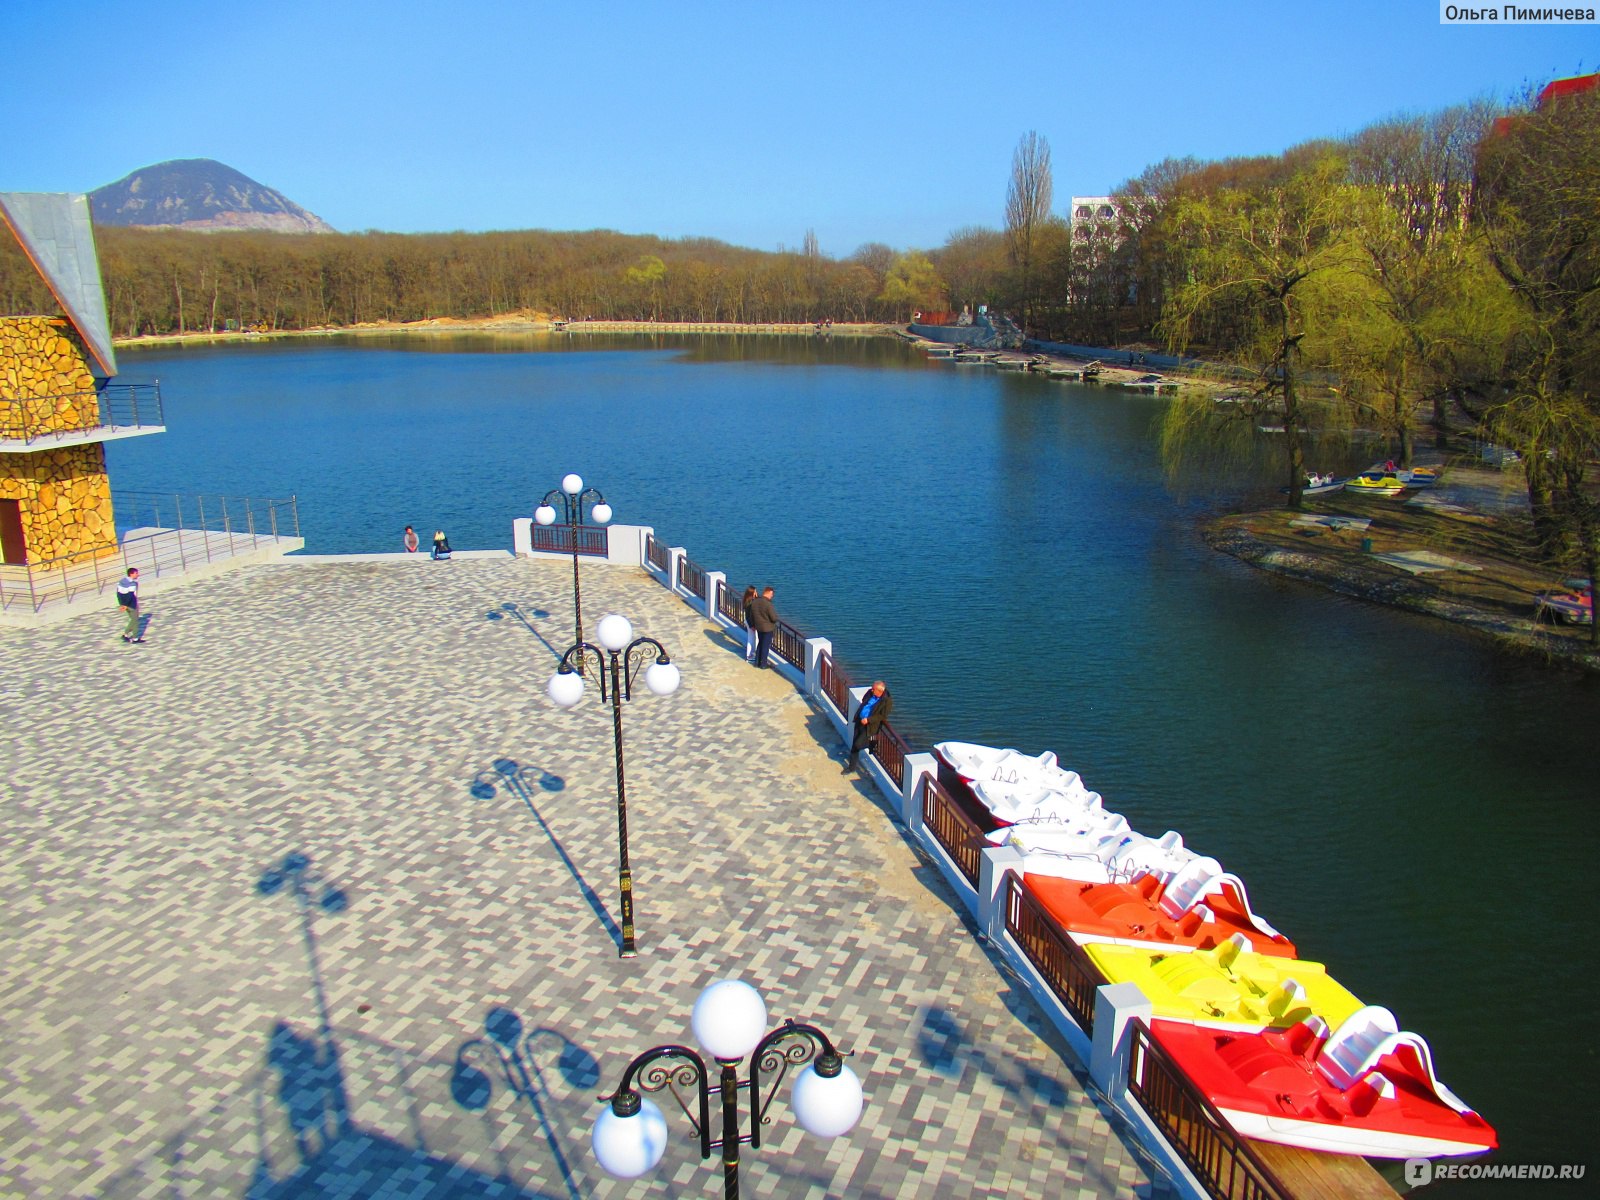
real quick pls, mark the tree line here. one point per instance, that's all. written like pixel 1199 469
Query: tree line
pixel 164 281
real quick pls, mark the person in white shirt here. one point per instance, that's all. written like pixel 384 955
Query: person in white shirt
pixel 128 602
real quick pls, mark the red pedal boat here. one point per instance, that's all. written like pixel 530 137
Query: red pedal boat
pixel 1367 1089
pixel 1196 909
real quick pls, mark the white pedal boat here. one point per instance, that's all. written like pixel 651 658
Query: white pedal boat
pixel 1092 854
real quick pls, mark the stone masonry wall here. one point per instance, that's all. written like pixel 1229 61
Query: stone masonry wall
pixel 45 382
pixel 46 386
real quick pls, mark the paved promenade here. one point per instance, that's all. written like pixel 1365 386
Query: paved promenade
pixel 184 1017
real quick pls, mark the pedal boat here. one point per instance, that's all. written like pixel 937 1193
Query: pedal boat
pixel 1367 1089
pixel 1418 477
pixel 1065 800
pixel 1375 483
pixel 1085 851
pixel 1198 908
pixel 1229 987
pixel 1318 485
pixel 988 764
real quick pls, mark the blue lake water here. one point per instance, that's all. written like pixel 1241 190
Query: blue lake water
pixel 1412 806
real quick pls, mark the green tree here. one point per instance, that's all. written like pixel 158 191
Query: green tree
pixel 1265 268
pixel 912 284
pixel 1540 209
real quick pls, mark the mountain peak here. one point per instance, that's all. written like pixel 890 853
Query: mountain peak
pixel 199 193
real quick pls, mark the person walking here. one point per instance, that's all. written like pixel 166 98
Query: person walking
pixel 764 618
pixel 874 711
pixel 411 540
pixel 749 629
pixel 128 602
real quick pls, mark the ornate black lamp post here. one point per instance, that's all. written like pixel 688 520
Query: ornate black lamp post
pixel 729 1022
pixel 573 495
pixel 566 689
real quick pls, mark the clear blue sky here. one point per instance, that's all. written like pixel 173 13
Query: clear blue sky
pixel 741 121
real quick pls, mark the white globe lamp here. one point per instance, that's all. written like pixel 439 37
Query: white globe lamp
pixel 628 1146
pixel 729 1019
pixel 662 678
pixel 544 514
pixel 572 484
pixel 601 513
pixel 565 688
pixel 827 1105
pixel 614 631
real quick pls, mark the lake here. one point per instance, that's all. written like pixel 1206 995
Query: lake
pixel 1007 552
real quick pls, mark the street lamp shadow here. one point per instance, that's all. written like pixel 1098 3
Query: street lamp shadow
pixel 511 609
pixel 521 782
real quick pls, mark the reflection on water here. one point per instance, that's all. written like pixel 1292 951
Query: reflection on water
pixel 1009 553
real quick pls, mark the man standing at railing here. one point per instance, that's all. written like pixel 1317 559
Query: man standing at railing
pixel 874 711
pixel 764 618
pixel 128 602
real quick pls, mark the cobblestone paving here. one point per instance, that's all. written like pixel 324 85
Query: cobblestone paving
pixel 183 1017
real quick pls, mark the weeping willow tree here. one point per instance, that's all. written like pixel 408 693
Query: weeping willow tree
pixel 1541 218
pixel 1265 272
pixel 1426 314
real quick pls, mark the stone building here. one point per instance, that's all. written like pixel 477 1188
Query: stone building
pixel 58 406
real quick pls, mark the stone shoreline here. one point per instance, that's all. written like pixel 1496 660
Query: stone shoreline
pixel 1365 578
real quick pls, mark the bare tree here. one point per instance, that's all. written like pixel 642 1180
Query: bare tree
pixel 1027 209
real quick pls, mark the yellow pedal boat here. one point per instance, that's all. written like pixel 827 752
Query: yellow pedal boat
pixel 1375 483
pixel 1229 987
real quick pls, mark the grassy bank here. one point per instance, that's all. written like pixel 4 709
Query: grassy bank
pixel 1479 527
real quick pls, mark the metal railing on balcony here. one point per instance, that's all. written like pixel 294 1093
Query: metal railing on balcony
pixel 593 540
pixel 728 604
pixel 115 407
pixel 1220 1158
pixel 693 579
pixel 185 531
pixel 656 553
pixel 1070 972
pixel 231 516
pixel 790 645
pixel 835 684
pixel 951 828
pixel 890 749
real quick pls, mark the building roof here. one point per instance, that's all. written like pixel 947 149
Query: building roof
pixel 55 233
pixel 1560 88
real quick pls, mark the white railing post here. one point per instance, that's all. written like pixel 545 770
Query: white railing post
pixel 522 536
pixel 995 864
pixel 815 649
pixel 918 766
pixel 675 557
pixel 1115 1004
pixel 714 579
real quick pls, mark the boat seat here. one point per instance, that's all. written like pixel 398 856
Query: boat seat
pixel 1368 1090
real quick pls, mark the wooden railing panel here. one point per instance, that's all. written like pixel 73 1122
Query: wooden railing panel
pixel 655 553
pixel 952 829
pixel 1208 1145
pixel 790 645
pixel 835 684
pixel 693 578
pixel 890 750
pixel 594 541
pixel 1070 972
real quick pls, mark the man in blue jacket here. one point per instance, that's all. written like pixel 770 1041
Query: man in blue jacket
pixel 874 711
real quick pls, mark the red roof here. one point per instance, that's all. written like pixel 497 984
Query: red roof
pixel 1567 87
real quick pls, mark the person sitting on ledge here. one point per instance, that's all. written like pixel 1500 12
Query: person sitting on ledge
pixel 441 545
pixel 874 710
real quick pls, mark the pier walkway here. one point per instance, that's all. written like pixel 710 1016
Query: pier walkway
pixel 268 875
